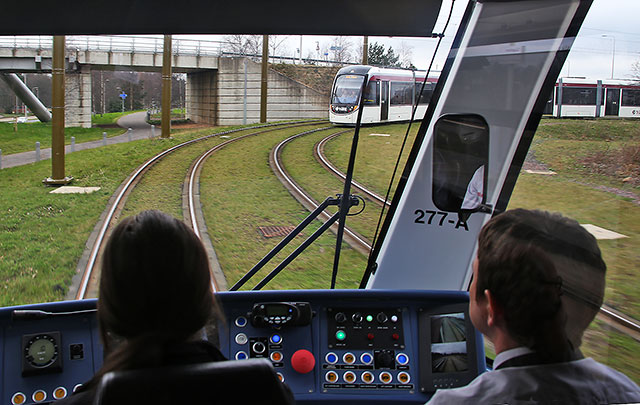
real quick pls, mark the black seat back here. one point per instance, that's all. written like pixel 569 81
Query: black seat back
pixel 252 381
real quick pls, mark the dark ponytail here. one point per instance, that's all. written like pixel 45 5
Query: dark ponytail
pixel 155 291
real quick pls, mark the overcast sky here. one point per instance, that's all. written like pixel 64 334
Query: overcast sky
pixel 608 23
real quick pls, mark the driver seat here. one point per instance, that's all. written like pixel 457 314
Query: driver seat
pixel 252 381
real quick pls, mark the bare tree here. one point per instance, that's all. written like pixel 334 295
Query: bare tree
pixel 340 49
pixel 277 46
pixel 243 44
pixel 405 54
pixel 635 71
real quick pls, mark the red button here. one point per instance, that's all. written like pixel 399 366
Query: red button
pixel 370 336
pixel 303 361
pixel 395 336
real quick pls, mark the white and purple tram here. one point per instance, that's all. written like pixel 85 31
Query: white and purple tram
pixel 581 97
pixel 390 95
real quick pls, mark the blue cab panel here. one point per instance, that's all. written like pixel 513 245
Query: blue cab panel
pixel 338 346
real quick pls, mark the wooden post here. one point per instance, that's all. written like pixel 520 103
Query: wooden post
pixel 57 116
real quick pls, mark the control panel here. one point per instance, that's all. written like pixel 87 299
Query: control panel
pixel 338 346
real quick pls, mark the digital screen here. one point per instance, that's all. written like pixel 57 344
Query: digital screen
pixel 449 343
pixel 277 310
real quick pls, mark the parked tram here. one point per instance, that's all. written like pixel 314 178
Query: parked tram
pixel 391 95
pixel 580 97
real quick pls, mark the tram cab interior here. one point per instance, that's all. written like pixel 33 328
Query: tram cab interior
pixel 406 332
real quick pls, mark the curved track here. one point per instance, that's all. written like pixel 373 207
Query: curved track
pixel 356 241
pixel 118 200
pixel 613 318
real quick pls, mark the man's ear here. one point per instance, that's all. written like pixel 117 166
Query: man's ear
pixel 495 312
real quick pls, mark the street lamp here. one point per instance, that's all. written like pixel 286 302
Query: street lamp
pixel 613 53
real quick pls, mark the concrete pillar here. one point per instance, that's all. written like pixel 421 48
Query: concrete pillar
pixel 78 98
pixel 202 97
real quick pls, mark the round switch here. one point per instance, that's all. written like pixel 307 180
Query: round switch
pixel 381 317
pixel 341 335
pixel 303 361
pixel 341 317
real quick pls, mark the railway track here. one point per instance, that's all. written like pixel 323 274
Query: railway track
pixel 358 242
pixel 193 215
pixel 615 319
pixel 88 279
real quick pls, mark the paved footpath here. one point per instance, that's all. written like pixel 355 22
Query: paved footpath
pixel 136 121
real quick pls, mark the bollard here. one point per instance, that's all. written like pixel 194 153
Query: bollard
pixel 73 144
pixel 129 133
pixel 104 139
pixel 153 131
pixel 37 151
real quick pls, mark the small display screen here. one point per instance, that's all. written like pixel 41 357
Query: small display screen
pixel 277 310
pixel 448 343
pixel 41 352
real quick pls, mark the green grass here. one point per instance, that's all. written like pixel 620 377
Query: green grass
pixel 28 134
pixel 43 235
pixel 109 118
pixel 239 193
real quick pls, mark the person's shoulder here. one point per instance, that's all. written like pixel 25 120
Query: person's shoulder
pixel 604 372
pixel 476 391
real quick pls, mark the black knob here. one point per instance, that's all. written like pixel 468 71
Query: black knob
pixel 357 317
pixel 384 359
pixel 341 317
pixel 382 317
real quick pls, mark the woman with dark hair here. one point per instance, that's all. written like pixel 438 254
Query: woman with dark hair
pixel 156 302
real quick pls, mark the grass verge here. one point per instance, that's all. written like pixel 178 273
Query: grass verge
pixel 28 134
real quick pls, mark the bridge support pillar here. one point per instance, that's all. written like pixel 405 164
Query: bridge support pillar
pixel 202 97
pixel 78 98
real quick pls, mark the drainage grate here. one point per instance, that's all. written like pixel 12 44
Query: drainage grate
pixel 274 231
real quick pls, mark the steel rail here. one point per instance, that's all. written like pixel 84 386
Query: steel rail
pixel 119 198
pixel 607 312
pixel 307 201
pixel 319 153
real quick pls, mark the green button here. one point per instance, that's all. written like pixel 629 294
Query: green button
pixel 340 335
pixel 369 318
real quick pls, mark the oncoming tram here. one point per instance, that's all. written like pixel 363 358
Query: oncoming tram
pixel 391 95
pixel 390 325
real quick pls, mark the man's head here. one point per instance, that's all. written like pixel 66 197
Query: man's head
pixel 537 267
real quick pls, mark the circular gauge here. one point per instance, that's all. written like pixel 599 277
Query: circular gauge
pixel 41 351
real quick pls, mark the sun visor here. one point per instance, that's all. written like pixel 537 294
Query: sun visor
pixel 373 17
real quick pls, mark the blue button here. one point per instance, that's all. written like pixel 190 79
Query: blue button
pixel 366 358
pixel 275 339
pixel 241 356
pixel 402 359
pixel 332 358
pixel 241 321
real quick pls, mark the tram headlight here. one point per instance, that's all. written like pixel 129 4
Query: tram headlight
pixel 343 109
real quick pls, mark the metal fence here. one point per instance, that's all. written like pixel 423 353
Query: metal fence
pixel 117 43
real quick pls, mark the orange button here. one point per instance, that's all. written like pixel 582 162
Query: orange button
pixel 39 396
pixel 276 357
pixel 18 398
pixel 60 393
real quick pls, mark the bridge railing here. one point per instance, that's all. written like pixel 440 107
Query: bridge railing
pixel 117 43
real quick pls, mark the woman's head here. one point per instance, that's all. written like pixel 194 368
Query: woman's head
pixel 155 280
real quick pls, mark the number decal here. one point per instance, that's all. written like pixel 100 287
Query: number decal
pixel 420 215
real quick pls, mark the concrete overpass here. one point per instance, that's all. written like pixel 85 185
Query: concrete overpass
pixel 220 90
